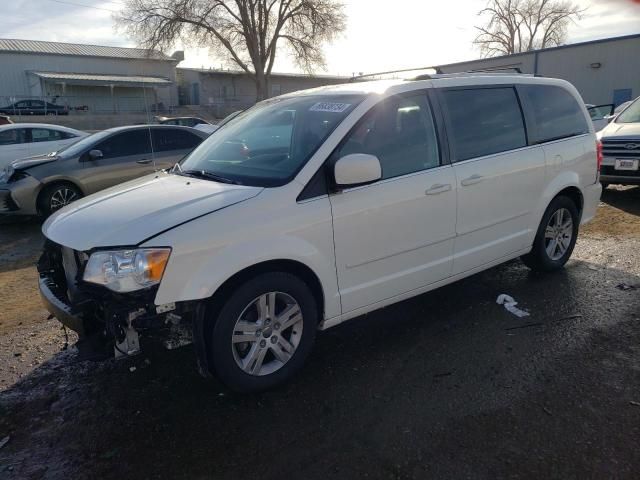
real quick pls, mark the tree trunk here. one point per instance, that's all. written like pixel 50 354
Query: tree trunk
pixel 261 86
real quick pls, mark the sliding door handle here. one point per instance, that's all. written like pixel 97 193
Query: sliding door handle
pixel 438 188
pixel 472 180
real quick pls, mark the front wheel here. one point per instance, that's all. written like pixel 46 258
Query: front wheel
pixel 556 236
pixel 264 332
pixel 54 197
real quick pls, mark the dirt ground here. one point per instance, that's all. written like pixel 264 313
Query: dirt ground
pixel 445 385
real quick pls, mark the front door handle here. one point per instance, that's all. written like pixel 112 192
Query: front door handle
pixel 438 188
pixel 473 179
pixel 144 161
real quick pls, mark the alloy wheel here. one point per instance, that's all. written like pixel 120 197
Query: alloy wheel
pixel 267 333
pixel 558 234
pixel 62 197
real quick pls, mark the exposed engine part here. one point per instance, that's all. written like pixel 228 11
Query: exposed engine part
pixel 130 344
pixel 179 336
pixel 167 307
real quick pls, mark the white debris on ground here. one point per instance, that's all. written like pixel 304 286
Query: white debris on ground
pixel 510 304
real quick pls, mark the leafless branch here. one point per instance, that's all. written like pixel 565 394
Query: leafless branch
pixel 246 33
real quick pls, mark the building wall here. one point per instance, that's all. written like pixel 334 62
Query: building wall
pixel 231 91
pixel 619 69
pixel 15 81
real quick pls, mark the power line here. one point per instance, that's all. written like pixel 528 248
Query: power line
pixel 83 5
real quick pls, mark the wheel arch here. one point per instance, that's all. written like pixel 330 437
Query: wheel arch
pixel 52 183
pixel 575 194
pixel 203 327
pixel 294 267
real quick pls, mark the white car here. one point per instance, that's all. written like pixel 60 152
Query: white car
pixel 319 206
pixel 21 140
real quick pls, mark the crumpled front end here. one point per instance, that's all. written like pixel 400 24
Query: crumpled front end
pixel 104 320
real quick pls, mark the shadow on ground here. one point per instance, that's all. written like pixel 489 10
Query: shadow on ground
pixel 624 198
pixel 445 385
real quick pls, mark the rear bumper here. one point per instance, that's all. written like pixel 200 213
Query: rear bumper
pixel 620 179
pixel 591 198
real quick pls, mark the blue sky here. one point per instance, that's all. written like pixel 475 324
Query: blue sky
pixel 412 33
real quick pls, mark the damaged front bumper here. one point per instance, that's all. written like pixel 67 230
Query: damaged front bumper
pixel 103 318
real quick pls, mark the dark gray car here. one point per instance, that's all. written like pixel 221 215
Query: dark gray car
pixel 43 184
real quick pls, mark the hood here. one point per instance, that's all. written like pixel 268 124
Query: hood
pixel 132 212
pixel 25 163
pixel 622 130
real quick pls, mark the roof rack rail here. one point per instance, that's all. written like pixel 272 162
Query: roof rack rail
pixel 357 78
pixel 495 69
pixel 440 74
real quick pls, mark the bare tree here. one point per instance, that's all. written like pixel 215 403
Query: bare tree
pixel 245 33
pixel 514 26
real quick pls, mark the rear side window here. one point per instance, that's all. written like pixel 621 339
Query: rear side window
pixel 48 135
pixel 400 132
pixel 555 111
pixel 484 121
pixel 135 142
pixel 13 136
pixel 167 139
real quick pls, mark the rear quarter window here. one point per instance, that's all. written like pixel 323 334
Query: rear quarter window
pixel 555 112
pixel 484 121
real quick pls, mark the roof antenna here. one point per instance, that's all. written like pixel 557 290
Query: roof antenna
pixel 146 107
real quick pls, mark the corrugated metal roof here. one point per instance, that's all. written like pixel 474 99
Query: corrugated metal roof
pixel 103 79
pixel 273 74
pixel 77 49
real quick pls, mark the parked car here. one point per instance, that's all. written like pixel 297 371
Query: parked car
pixel 320 206
pixel 5 120
pixel 20 140
pixel 600 115
pixel 34 107
pixel 621 147
pixel 210 128
pixel 182 121
pixel 41 185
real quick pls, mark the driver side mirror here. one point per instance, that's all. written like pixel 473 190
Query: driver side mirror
pixel 357 169
pixel 95 154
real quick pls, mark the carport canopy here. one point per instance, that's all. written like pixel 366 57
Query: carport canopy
pixel 103 79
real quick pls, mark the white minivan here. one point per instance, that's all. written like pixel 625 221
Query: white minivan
pixel 315 207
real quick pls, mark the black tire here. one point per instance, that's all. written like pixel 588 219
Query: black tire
pixel 222 354
pixel 47 203
pixel 538 259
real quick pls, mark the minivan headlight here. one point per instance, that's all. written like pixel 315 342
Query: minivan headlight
pixel 127 270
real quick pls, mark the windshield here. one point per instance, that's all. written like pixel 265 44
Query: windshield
pixel 81 145
pixel 269 143
pixel 631 114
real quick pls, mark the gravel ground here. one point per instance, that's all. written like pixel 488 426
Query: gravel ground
pixel 445 385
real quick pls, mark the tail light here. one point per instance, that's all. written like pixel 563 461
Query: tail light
pixel 599 154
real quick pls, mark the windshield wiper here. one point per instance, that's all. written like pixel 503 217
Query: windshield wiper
pixel 209 176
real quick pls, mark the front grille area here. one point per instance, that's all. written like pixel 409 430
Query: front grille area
pixel 621 148
pixel 51 269
pixel 6 202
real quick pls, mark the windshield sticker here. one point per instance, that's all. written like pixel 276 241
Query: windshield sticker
pixel 329 107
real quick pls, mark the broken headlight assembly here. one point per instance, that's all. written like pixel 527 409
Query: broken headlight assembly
pixel 127 270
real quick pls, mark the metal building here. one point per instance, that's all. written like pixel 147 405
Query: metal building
pixel 604 71
pixel 224 91
pixel 93 78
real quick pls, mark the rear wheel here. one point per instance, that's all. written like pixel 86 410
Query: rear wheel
pixel 264 332
pixel 556 236
pixel 54 197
